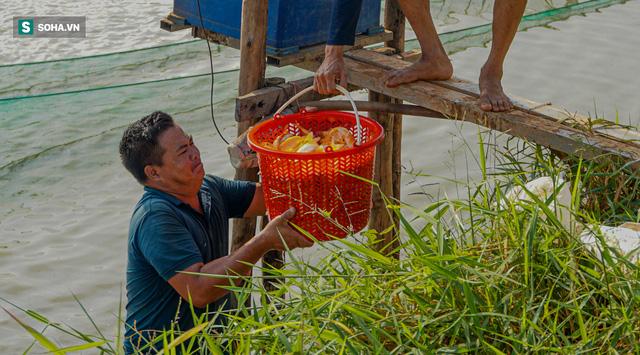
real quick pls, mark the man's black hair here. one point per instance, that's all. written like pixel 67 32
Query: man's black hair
pixel 139 146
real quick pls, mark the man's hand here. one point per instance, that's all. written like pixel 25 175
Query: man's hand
pixel 331 70
pixel 278 233
pixel 203 290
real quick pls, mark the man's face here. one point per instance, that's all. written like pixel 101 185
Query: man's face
pixel 181 171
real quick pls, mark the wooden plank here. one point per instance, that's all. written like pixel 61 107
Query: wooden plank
pixel 265 101
pixel 170 26
pixel 555 134
pixel 544 110
pixel 373 106
pixel 317 52
pixel 366 69
pixel 215 37
pixel 609 129
pixel 173 23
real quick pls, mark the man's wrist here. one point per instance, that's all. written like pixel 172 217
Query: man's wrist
pixel 333 50
pixel 263 242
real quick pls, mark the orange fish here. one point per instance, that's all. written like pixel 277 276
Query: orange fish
pixel 331 140
pixel 338 138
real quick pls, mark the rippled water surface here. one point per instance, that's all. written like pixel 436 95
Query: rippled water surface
pixel 66 200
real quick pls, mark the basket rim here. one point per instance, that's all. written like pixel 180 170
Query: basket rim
pixel 320 155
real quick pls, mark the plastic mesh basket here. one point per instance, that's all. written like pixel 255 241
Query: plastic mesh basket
pixel 330 202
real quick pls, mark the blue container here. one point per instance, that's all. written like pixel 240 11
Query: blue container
pixel 292 23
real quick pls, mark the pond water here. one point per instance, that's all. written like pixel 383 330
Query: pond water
pixel 66 200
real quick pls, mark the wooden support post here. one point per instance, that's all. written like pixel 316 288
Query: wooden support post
pixel 394 21
pixel 253 42
pixel 253 39
pixel 273 260
pixel 388 169
pixel 381 218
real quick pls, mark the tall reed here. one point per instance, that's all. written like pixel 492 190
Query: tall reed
pixel 481 273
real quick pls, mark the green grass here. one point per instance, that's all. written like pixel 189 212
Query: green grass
pixel 476 274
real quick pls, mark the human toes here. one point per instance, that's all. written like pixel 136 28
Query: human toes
pixel 485 104
pixel 390 78
pixel 504 104
pixel 402 77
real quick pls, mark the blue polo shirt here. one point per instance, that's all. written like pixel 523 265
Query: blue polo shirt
pixel 166 236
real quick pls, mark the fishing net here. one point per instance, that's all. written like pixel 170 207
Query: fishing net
pixel 87 96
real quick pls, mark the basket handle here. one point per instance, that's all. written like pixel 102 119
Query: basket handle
pixel 344 91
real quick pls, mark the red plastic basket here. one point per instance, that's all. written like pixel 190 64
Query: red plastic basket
pixel 329 202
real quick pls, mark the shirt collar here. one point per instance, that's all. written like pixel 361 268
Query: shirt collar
pixel 163 195
pixel 205 199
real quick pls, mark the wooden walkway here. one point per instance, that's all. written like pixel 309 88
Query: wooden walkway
pixel 457 100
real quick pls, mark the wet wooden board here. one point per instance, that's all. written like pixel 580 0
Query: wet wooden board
pixel 457 99
pixel 545 110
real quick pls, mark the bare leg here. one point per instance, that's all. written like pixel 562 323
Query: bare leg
pixel 434 63
pixel 506 17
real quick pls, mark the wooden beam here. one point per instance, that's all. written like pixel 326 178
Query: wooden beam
pixel 265 101
pixel 317 52
pixel 310 53
pixel 215 37
pixel 455 99
pixel 173 23
pixel 373 106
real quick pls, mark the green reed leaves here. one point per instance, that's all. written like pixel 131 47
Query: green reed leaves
pixel 483 273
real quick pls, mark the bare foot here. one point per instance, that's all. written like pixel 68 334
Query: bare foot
pixel 437 68
pixel 492 97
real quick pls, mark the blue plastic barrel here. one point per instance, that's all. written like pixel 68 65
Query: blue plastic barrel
pixel 292 23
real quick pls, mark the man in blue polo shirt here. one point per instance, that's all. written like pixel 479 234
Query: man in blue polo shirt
pixel 434 63
pixel 181 224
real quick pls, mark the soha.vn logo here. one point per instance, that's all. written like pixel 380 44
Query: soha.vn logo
pixel 25 27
